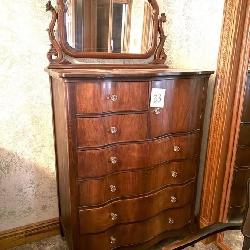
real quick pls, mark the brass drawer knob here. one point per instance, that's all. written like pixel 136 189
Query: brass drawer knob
pixel 173 199
pixel 114 216
pixel 112 240
pixel 157 111
pixel 112 98
pixel 170 220
pixel 113 130
pixel 113 160
pixel 174 174
pixel 177 148
pixel 112 188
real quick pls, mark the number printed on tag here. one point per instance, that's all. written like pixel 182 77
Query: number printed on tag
pixel 157 98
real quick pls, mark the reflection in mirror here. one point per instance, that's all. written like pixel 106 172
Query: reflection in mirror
pixel 238 199
pixel 115 26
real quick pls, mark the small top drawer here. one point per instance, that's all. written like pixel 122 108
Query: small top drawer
pixel 183 106
pixel 101 97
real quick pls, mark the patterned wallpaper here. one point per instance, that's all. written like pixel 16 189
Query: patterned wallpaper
pixel 193 32
pixel 27 171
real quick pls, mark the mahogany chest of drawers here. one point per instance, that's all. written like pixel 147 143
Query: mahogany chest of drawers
pixel 238 201
pixel 126 171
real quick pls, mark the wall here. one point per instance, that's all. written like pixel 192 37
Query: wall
pixel 27 171
pixel 193 32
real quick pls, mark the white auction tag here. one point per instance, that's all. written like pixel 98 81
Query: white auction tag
pixel 157 98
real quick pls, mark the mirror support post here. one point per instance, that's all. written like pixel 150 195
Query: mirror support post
pixel 55 54
pixel 160 55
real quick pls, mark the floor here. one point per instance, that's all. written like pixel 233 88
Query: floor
pixel 234 239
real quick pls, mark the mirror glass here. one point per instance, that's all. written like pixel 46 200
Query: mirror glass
pixel 114 26
pixel 238 199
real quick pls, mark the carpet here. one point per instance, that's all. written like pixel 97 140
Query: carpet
pixel 233 238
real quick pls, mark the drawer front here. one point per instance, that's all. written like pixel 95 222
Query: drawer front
pixel 241 177
pixel 246 106
pixel 99 131
pixel 100 162
pixel 236 213
pixel 237 200
pixel 137 233
pixel 131 210
pixel 99 97
pixel 183 106
pixel 244 137
pixel 180 147
pixel 133 183
pixel 243 156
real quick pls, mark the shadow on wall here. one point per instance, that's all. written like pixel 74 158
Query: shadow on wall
pixel 27 192
pixel 27 173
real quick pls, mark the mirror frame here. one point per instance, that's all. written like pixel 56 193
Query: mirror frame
pixel 68 50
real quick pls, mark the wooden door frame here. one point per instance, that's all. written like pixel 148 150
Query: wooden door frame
pixel 225 118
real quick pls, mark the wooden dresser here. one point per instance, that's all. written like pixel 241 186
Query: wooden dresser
pixel 127 172
pixel 238 202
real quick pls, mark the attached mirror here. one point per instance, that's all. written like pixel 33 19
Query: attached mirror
pixel 113 26
pixel 108 28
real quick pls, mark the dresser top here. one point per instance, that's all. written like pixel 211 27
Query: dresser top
pixel 108 72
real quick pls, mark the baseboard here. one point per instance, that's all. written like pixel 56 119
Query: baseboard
pixel 26 234
pixel 204 223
